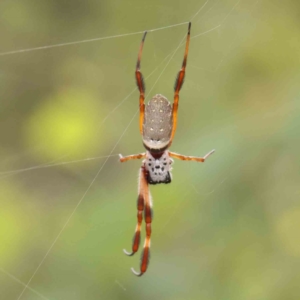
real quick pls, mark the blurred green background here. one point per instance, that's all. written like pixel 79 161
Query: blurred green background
pixel 224 230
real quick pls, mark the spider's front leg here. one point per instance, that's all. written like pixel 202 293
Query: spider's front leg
pixel 143 205
pixel 148 221
pixel 140 208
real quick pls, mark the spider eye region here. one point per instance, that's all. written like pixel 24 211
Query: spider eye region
pixel 158 170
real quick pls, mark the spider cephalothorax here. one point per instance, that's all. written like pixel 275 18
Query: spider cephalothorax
pixel 158 121
pixel 158 167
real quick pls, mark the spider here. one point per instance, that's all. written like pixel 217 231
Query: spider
pixel 158 121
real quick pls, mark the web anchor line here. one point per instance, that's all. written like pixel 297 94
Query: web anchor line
pixel 87 41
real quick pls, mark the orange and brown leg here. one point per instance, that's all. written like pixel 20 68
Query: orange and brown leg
pixel 140 208
pixel 129 157
pixel 140 83
pixel 148 221
pixel 184 157
pixel 178 84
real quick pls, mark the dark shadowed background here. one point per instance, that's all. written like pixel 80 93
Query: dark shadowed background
pixel 224 230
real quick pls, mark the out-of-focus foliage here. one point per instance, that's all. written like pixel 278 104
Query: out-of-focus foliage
pixel 226 229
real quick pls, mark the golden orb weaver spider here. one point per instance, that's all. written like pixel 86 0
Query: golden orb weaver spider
pixel 158 123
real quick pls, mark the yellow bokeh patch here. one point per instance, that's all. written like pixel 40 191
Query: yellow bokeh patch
pixel 65 123
pixel 287 229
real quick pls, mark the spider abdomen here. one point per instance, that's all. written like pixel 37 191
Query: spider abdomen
pixel 158 168
pixel 158 123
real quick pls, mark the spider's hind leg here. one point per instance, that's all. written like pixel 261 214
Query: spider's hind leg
pixel 195 158
pixel 130 157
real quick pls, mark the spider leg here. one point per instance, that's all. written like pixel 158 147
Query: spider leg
pixel 179 83
pixel 148 220
pixel 129 157
pixel 140 208
pixel 140 83
pixel 184 157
